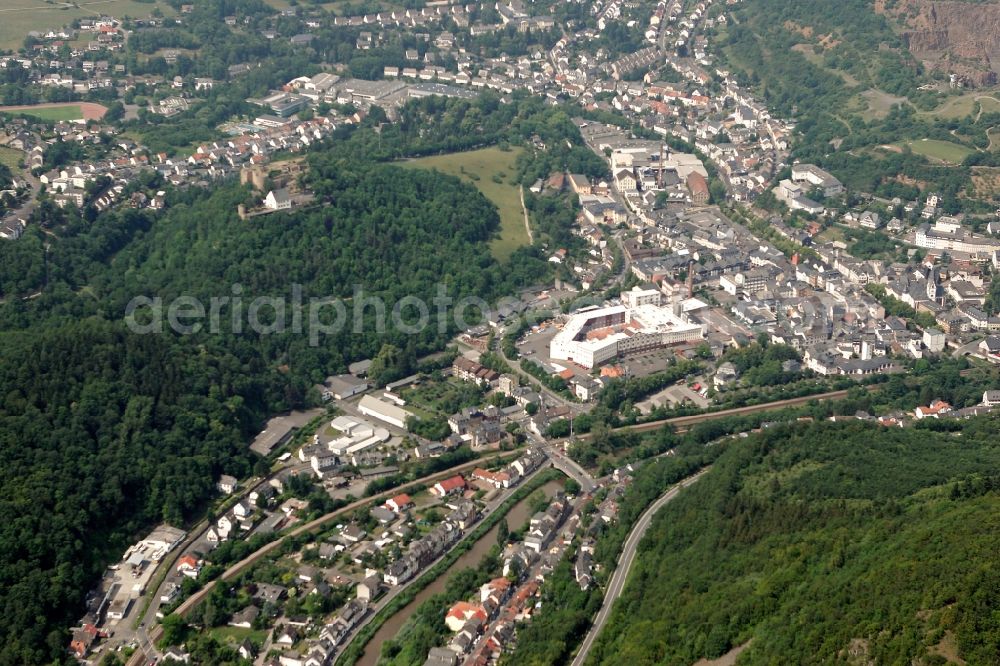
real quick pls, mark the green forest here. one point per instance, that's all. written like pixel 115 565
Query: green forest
pixel 105 432
pixel 823 543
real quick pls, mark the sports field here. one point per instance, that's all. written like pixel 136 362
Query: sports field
pixel 54 114
pixel 944 151
pixel 57 112
pixel 479 167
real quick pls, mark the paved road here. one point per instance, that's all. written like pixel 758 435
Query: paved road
pixel 968 349
pixel 27 207
pixel 198 531
pixel 566 465
pixel 556 399
pixel 617 583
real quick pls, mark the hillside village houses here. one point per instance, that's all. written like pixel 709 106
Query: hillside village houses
pixel 278 129
pixel 420 553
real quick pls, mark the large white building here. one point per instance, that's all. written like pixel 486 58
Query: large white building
pixel 383 411
pixel 948 234
pixel 356 435
pixel 816 177
pixel 794 196
pixel 597 335
pixel 636 297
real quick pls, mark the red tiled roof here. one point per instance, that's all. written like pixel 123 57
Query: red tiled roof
pixel 188 560
pixel 464 610
pixel 400 500
pixel 452 483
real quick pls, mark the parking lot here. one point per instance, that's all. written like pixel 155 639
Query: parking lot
pixel 672 395
pixel 536 344
pixel 641 365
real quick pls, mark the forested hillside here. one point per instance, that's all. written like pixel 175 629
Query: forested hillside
pixel 104 432
pixel 859 98
pixel 823 543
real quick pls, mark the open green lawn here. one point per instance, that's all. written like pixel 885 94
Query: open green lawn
pixel 11 158
pixel 478 167
pixel 955 107
pixel 19 17
pixel 831 233
pixel 53 114
pixel 877 103
pixel 338 6
pixel 946 151
pixel 443 397
pixel 235 635
pixel 994 135
pixel 964 105
pixel 989 104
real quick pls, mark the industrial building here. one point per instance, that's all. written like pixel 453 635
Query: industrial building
pixel 356 436
pixel 383 411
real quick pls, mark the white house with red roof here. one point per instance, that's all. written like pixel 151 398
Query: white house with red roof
pixel 462 612
pixel 495 479
pixel 399 503
pixel 188 565
pixel 935 409
pixel 449 486
pixel 498 589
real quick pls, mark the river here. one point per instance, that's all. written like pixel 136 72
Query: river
pixel 516 517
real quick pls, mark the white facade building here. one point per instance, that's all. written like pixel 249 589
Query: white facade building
pixel 597 335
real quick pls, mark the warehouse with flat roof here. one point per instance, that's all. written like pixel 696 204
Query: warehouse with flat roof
pixel 384 411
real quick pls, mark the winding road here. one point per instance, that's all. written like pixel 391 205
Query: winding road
pixel 617 582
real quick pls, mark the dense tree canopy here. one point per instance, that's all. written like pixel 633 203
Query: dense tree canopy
pixel 813 540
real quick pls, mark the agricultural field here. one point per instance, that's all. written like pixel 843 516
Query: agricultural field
pixel 19 17
pixel 944 151
pixel 479 168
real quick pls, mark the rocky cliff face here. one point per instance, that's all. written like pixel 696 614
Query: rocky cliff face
pixel 961 38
